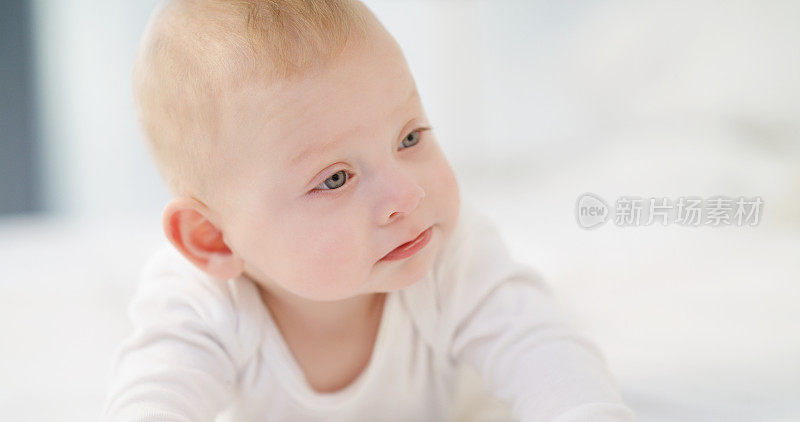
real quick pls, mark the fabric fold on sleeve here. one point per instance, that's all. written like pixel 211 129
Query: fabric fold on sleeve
pixel 500 317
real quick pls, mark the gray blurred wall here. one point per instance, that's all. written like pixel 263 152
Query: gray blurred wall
pixel 19 179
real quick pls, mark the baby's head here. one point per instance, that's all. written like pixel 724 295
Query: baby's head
pixel 293 139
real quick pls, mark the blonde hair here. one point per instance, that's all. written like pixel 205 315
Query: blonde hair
pixel 194 51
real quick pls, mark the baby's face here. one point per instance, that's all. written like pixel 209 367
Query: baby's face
pixel 330 172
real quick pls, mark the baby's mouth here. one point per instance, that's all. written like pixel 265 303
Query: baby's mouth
pixel 411 247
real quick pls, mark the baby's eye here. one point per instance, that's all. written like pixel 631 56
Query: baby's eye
pixel 412 138
pixel 339 178
pixel 334 182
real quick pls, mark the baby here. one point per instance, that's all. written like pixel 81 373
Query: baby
pixel 321 265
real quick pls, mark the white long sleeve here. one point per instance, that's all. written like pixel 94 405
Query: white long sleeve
pixel 180 364
pixel 501 318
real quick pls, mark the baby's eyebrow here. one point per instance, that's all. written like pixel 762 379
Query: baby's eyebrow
pixel 308 151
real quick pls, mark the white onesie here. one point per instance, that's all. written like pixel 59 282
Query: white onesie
pixel 208 350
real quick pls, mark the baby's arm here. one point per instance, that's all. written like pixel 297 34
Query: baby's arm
pixel 531 358
pixel 179 364
pixel 503 320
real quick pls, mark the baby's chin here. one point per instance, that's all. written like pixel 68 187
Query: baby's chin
pixel 403 283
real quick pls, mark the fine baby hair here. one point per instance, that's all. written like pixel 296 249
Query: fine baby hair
pixel 194 53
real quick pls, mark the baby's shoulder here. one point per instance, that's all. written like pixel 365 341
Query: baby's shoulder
pixel 464 263
pixel 170 274
pixel 172 287
pixel 476 254
pixel 473 263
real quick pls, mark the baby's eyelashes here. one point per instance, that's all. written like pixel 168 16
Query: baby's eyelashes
pixel 338 179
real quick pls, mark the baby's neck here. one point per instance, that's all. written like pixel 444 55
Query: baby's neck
pixel 322 318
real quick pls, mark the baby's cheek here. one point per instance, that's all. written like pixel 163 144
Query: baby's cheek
pixel 441 174
pixel 324 259
pixel 323 239
pixel 447 198
pixel 331 252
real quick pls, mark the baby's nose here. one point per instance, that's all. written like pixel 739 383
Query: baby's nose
pixel 403 197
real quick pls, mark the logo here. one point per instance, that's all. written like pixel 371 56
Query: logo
pixel 591 211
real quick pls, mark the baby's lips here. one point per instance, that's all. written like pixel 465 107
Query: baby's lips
pixel 411 247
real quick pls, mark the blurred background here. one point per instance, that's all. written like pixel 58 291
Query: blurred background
pixel 535 103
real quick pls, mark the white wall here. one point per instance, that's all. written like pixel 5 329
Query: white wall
pixel 95 163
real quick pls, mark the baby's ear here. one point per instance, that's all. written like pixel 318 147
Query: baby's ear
pixel 187 226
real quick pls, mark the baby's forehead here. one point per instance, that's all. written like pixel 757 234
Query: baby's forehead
pixel 353 93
